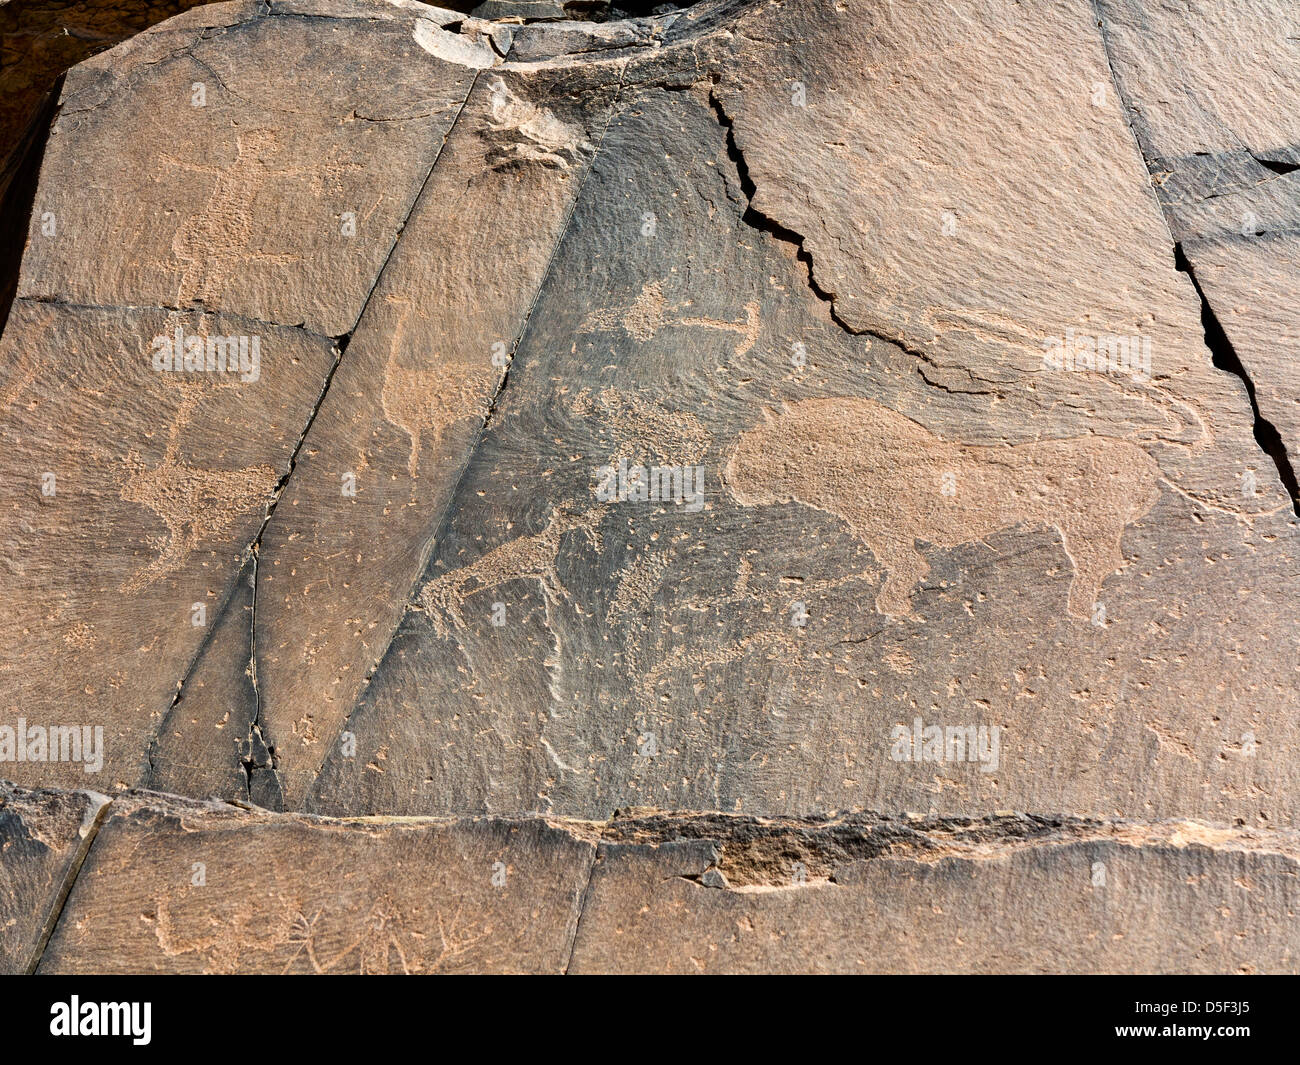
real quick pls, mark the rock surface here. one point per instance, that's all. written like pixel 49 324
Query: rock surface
pixel 39 40
pixel 186 887
pixel 964 398
pixel 44 837
pixel 1212 102
pixel 177 886
pixel 1007 894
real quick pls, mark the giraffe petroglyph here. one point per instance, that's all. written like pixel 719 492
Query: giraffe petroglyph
pixel 649 313
pixel 196 505
pixel 214 243
pixel 424 401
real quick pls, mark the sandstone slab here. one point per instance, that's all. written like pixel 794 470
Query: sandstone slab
pixel 1208 96
pixel 939 438
pixel 123 544
pixel 177 886
pixel 182 887
pixel 915 524
pixel 1007 895
pixel 44 836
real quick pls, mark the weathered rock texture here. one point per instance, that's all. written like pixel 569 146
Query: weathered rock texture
pixel 39 40
pixel 176 886
pixel 44 836
pixel 960 343
pixel 1212 99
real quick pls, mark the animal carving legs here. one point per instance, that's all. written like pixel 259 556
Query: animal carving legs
pixel 904 567
pixel 1093 545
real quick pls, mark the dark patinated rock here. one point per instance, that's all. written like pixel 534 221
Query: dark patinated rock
pixel 778 411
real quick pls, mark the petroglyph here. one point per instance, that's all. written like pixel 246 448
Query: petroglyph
pixel 742 593
pixel 425 402
pixel 524 558
pixel 1184 426
pixel 896 484
pixel 229 939
pixel 195 504
pixel 219 240
pixel 384 944
pixel 636 590
pixel 377 945
pixel 699 659
pixel 637 586
pixel 641 320
pixel 529 133
pixel 648 314
pixel 676 437
pixel 748 329
pixel 216 242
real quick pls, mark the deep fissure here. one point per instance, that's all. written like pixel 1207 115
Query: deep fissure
pixel 1224 357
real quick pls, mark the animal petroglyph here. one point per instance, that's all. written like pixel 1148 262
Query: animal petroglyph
pixel 675 437
pixel 780 645
pixel 425 402
pixel 196 505
pixel 226 940
pixel 895 483
pixel 641 320
pixel 384 943
pixel 637 586
pixel 527 133
pixel 525 558
pixel 649 312
pixel 216 241
pixel 379 946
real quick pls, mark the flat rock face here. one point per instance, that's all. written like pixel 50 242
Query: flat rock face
pixel 174 886
pixel 918 897
pixel 44 836
pixel 212 173
pixel 1222 139
pixel 182 887
pixel 940 529
pixel 39 41
pixel 122 546
pixel 407 408
pixel 785 411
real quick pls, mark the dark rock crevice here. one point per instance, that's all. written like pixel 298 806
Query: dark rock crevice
pixel 1276 165
pixel 763 223
pixel 444 520
pixel 1222 353
pixel 19 178
pixel 1225 357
